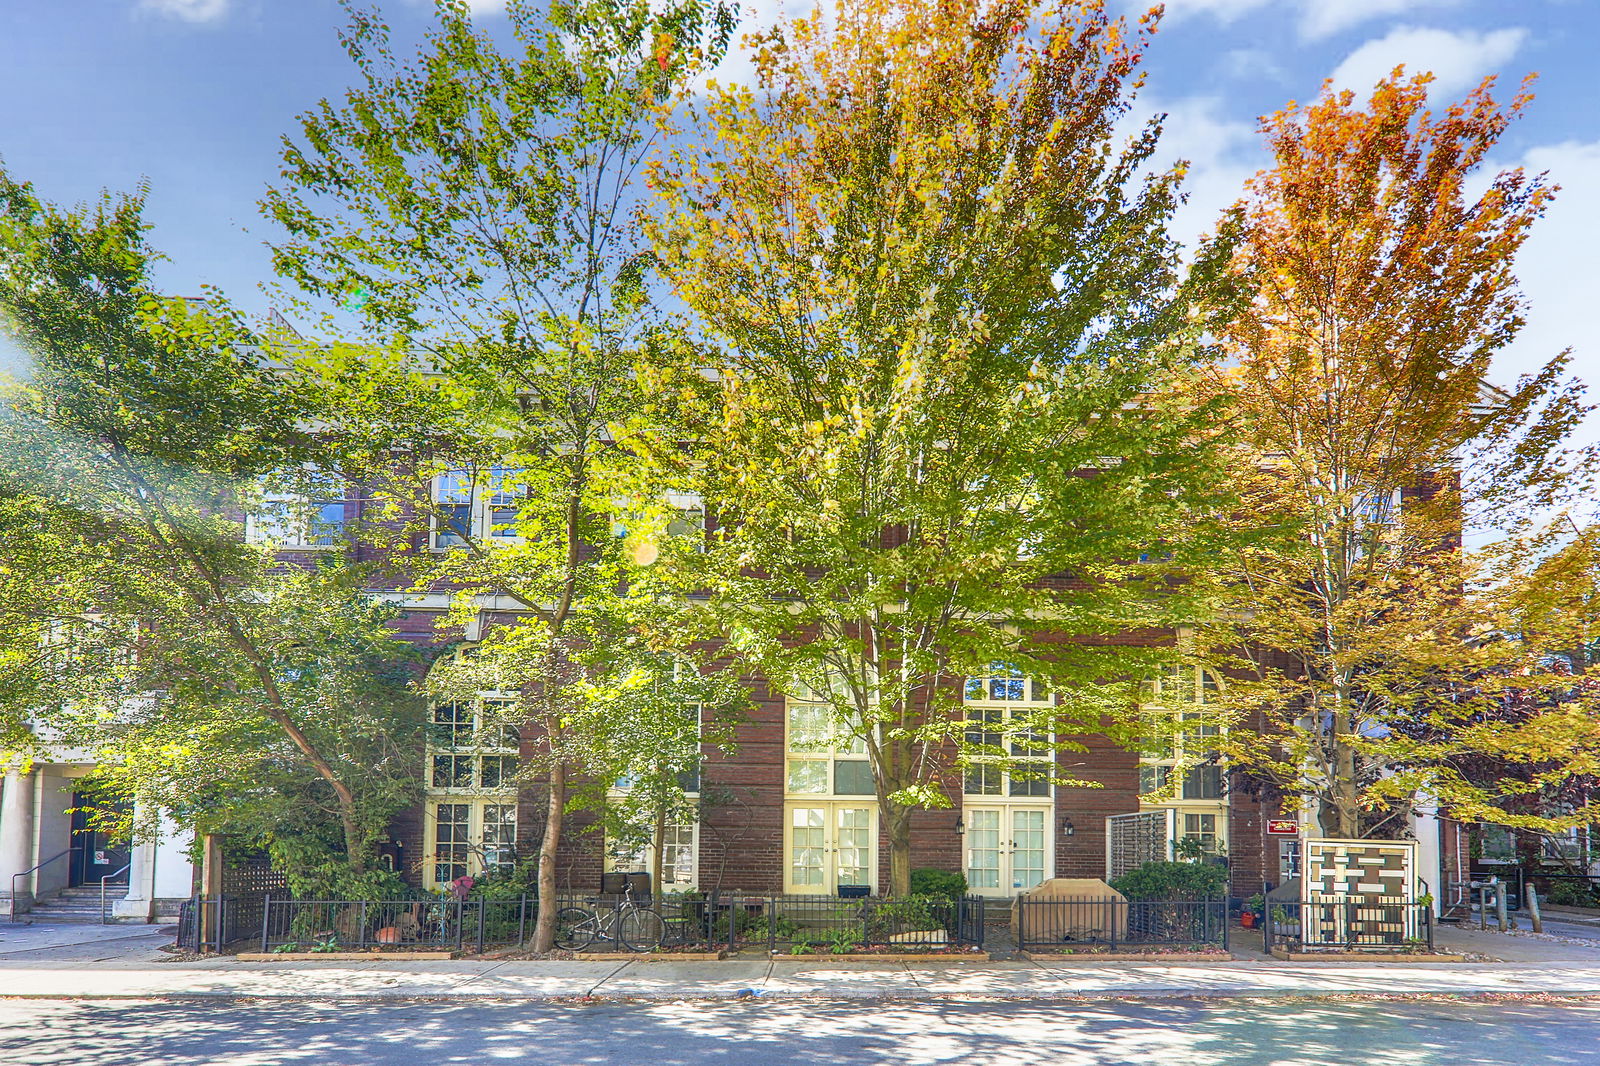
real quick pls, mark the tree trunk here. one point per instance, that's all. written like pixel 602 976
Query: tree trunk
pixel 1343 805
pixel 544 929
pixel 658 847
pixel 897 826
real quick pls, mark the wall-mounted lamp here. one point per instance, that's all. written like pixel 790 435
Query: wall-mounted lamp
pixel 1067 828
pixel 961 827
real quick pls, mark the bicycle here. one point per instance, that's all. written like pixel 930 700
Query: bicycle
pixel 633 925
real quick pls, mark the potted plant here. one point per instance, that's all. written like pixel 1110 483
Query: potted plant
pixel 1254 909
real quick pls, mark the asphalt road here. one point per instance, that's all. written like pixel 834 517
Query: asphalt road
pixel 1280 1032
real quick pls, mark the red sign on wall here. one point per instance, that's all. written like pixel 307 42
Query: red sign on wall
pixel 1282 827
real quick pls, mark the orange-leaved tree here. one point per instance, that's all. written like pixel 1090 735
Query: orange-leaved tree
pixel 1375 640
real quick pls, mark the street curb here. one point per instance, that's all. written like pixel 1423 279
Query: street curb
pixel 746 995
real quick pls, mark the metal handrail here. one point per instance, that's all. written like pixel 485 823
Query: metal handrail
pixel 32 870
pixel 114 873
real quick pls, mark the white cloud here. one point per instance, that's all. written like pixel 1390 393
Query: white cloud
pixel 187 10
pixel 1222 154
pixel 1317 18
pixel 1224 11
pixel 755 16
pixel 1457 60
pixel 1558 268
pixel 1322 18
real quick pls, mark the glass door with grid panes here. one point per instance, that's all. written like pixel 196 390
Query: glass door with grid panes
pixel 468 836
pixel 1007 848
pixel 830 844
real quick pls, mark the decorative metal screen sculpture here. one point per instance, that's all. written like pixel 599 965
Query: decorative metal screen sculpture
pixel 1358 892
pixel 1135 839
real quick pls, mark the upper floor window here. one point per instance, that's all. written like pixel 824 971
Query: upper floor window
pixel 480 504
pixel 310 516
pixel 1004 755
pixel 472 748
pixel 1180 729
pixel 1005 684
pixel 823 756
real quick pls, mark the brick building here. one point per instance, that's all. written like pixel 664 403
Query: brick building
pixel 793 809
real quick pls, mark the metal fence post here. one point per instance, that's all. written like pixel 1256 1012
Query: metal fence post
pixel 1111 926
pixel 1022 924
pixel 522 918
pixel 1227 929
pixel 482 904
pixel 266 919
pixel 1427 924
pixel 361 939
pixel 983 918
pixel 458 923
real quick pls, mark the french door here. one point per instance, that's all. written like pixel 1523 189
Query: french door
pixel 1007 848
pixel 828 844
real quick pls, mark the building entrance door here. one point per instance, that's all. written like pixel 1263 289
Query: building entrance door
pixel 830 844
pixel 93 855
pixel 1007 848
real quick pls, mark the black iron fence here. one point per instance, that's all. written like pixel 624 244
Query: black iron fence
pixel 1349 923
pixel 216 924
pixel 1567 889
pixel 711 922
pixel 1117 924
pixel 823 924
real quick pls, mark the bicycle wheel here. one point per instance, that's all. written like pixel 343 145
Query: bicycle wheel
pixel 641 930
pixel 574 928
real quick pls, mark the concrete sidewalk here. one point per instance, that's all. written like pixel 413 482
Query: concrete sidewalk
pixel 778 979
pixel 123 963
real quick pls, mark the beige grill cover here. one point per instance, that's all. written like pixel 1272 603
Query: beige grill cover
pixel 1083 921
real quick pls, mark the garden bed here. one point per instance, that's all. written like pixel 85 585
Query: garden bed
pixel 883 956
pixel 1083 955
pixel 649 956
pixel 1286 955
pixel 344 956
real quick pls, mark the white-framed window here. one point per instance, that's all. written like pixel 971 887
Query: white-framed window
pixel 471 782
pixel 687 516
pixel 311 518
pixel 1180 733
pixel 477 503
pixel 1005 756
pixel 680 852
pixel 822 758
pixel 680 848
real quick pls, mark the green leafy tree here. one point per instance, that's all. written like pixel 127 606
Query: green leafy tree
pixel 136 619
pixel 474 207
pixel 952 425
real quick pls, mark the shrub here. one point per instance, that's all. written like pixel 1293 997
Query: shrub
pixel 1570 894
pixel 522 880
pixel 1173 881
pixel 914 914
pixel 757 926
pixel 931 881
pixel 335 880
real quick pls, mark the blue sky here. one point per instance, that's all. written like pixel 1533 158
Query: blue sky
pixel 193 96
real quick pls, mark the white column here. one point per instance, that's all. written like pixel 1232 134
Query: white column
pixel 16 835
pixel 1430 865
